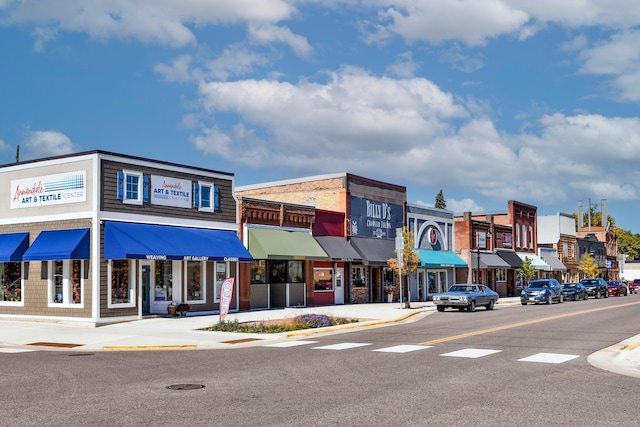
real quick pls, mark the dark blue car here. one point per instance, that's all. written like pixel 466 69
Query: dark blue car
pixel 542 291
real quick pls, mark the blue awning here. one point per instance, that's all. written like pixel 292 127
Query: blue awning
pixel 13 246
pixel 429 258
pixel 59 244
pixel 125 240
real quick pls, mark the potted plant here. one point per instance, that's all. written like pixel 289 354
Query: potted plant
pixel 182 309
pixel 389 292
pixel 171 309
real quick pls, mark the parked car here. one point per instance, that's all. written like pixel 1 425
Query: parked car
pixel 617 288
pixel 542 290
pixel 596 287
pixel 634 286
pixel 466 296
pixel 574 292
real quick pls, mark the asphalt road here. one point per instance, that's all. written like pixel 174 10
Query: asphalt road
pixel 513 366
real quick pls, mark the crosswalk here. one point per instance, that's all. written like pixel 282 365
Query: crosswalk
pixel 469 353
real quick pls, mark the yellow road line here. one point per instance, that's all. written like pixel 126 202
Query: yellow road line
pixel 519 324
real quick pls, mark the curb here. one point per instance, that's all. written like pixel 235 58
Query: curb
pixel 149 347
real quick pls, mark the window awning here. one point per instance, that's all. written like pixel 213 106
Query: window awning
pixel 374 251
pixel 128 240
pixel 536 261
pixel 429 258
pixel 58 245
pixel 510 257
pixel 267 243
pixel 338 248
pixel 13 246
pixel 554 263
pixel 488 260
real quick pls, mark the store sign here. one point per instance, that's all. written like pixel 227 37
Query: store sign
pixel 225 298
pixel 371 218
pixel 48 190
pixel 167 191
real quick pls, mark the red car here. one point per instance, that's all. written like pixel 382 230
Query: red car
pixel 617 288
pixel 634 286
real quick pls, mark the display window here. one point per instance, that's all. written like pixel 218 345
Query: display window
pixel 194 282
pixel 163 290
pixel 11 275
pixel 122 283
pixel 66 282
pixel 322 279
pixel 358 277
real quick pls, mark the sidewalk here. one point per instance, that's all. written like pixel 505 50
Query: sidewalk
pixel 181 333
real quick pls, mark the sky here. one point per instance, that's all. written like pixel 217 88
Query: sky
pixel 487 100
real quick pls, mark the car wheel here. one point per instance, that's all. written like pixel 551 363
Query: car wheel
pixel 472 306
pixel 598 295
pixel 561 300
pixel 490 305
pixel 462 308
pixel 523 303
pixel 606 294
pixel 440 307
pixel 549 299
pixel 586 296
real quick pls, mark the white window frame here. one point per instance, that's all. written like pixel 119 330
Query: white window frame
pixel 132 286
pixel 67 284
pixel 210 187
pixel 331 272
pixel 140 176
pixel 203 281
pixel 501 274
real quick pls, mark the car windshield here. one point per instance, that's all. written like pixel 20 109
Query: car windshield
pixel 539 285
pixel 590 282
pixel 461 288
pixel 569 285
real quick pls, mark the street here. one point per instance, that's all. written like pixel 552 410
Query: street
pixel 510 366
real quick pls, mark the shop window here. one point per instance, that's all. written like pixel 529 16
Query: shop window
pixel 259 271
pixel 221 275
pixel 501 274
pixel 295 271
pixel 277 271
pixel 322 279
pixel 387 278
pixel 358 277
pixel 122 283
pixel 524 236
pixel 193 281
pixel 163 290
pixel 206 196
pixel 11 275
pixel 66 282
pixel 130 187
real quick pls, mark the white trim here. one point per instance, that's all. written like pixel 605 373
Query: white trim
pixel 177 222
pixel 132 286
pixel 211 186
pixel 140 176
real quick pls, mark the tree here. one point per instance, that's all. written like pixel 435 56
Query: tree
pixel 589 266
pixel 628 243
pixel 410 258
pixel 441 203
pixel 528 270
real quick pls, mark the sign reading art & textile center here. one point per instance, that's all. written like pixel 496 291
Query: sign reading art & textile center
pixel 167 191
pixel 47 190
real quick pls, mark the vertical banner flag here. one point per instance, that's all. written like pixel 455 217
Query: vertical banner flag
pixel 225 297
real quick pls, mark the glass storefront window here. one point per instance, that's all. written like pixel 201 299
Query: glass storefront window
pixel 66 282
pixel 322 279
pixel 194 281
pixel 11 274
pixel 163 290
pixel 277 271
pixel 501 275
pixel 221 275
pixel 295 271
pixel 358 277
pixel 120 282
pixel 259 271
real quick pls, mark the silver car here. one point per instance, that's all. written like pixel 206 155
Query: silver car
pixel 466 297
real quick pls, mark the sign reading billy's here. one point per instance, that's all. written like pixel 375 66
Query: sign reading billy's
pixel 371 218
pixel 167 191
pixel 46 190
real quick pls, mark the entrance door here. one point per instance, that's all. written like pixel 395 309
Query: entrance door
pixel 145 286
pixel 338 286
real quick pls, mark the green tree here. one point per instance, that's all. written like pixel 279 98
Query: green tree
pixel 589 266
pixel 628 243
pixel 441 203
pixel 528 270
pixel 410 258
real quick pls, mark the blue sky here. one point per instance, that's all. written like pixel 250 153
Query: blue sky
pixel 488 100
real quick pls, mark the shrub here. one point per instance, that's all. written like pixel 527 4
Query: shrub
pixel 315 320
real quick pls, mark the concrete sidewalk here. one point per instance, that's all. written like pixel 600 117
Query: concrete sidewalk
pixel 182 333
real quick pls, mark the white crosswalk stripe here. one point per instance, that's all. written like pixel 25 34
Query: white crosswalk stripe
pixel 402 348
pixel 290 344
pixel 549 358
pixel 472 353
pixel 341 346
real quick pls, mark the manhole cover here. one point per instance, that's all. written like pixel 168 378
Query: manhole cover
pixel 185 386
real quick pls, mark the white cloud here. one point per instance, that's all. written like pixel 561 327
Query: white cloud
pixel 404 67
pixel 236 60
pixel 45 143
pixel 164 22
pixel 178 71
pixel 464 205
pixel 3 145
pixel 268 34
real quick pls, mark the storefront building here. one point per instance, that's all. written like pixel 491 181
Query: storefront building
pixel 101 237
pixel 433 236
pixel 373 211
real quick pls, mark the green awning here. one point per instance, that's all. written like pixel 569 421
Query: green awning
pixel 266 243
pixel 429 258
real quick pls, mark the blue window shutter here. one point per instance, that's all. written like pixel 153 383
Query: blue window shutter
pixel 145 189
pixel 196 195
pixel 216 198
pixel 120 192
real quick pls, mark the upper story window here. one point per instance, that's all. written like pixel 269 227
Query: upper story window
pixel 517 236
pixel 132 187
pixel 206 196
